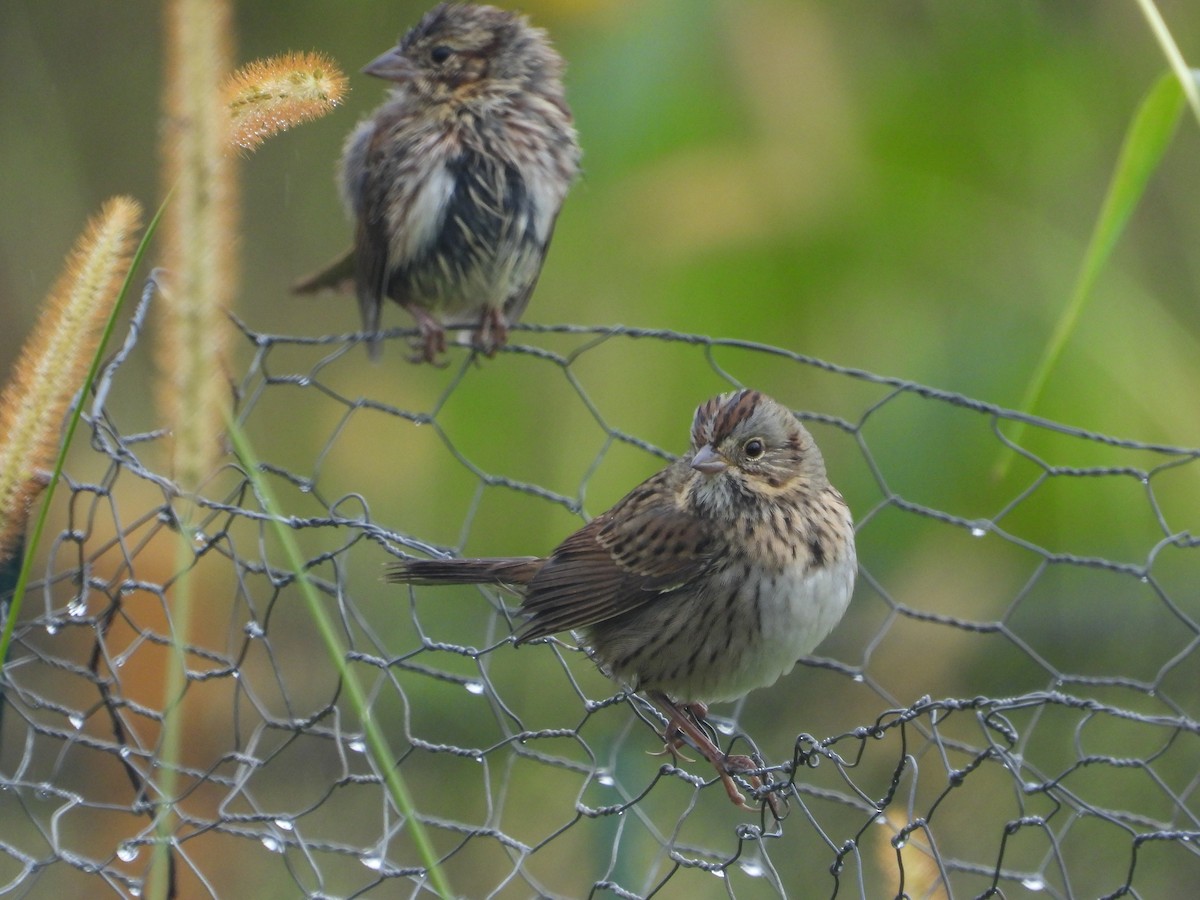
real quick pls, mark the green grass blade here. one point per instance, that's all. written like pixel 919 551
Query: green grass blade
pixel 1187 77
pixel 329 635
pixel 1145 143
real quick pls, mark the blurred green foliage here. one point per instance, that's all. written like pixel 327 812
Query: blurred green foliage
pixel 901 187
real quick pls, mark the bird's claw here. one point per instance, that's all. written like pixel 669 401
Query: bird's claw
pixel 674 747
pixel 685 722
pixel 432 341
pixel 492 333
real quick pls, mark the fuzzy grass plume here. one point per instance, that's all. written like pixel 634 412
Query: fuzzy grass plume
pixel 199 230
pixel 268 96
pixel 55 360
pixel 210 112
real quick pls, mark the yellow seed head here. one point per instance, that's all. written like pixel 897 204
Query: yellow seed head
pixel 268 96
pixel 51 367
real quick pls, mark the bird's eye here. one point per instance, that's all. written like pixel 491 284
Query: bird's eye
pixel 754 448
pixel 440 54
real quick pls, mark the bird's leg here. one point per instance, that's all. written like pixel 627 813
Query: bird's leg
pixel 685 722
pixel 492 331
pixel 433 336
pixel 673 737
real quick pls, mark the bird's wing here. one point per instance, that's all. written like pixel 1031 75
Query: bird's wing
pixel 642 548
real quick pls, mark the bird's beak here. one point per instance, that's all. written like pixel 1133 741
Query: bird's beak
pixel 708 461
pixel 393 66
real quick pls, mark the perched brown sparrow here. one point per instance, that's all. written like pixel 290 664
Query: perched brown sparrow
pixel 708 580
pixel 455 182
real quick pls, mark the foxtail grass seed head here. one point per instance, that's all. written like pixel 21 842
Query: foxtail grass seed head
pixel 55 359
pixel 199 233
pixel 268 96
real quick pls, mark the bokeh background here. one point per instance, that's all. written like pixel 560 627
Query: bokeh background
pixel 905 187
pixel 899 187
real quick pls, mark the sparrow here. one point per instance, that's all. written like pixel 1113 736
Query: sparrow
pixel 455 182
pixel 708 580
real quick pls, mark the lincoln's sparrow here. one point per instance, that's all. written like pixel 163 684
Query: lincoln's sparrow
pixel 706 581
pixel 455 182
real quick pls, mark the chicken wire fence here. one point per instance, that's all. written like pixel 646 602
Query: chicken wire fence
pixel 1008 709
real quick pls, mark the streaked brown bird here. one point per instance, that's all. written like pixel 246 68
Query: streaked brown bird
pixel 455 182
pixel 708 580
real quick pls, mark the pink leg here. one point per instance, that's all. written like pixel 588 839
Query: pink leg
pixel 492 332
pixel 683 722
pixel 433 336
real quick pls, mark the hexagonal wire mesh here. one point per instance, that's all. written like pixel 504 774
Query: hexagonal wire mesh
pixel 1006 710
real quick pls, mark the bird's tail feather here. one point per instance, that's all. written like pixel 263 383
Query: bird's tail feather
pixel 338 275
pixel 503 570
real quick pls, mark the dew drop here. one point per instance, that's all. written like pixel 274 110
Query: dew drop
pixel 51 628
pixel 285 824
pixel 135 891
pixel 76 720
pixel 753 868
pixel 253 630
pixel 978 532
pixel 303 381
pixel 373 862
pixel 1033 883
pixel 900 844
pixel 199 538
pixel 474 687
pixel 720 873
pixel 273 844
pixel 77 608
pixel 124 751
pixel 605 779
pixel 358 745
pixel 127 852
pixel 857 679
pixel 724 726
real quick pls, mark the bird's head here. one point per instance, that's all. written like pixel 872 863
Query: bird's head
pixel 461 51
pixel 748 448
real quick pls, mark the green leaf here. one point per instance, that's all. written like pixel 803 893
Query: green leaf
pixel 1146 142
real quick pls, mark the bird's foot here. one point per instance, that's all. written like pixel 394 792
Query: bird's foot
pixel 736 764
pixel 674 737
pixel 492 333
pixel 432 341
pixel 674 747
pixel 686 721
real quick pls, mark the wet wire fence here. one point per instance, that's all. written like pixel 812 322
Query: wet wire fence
pixel 1010 708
